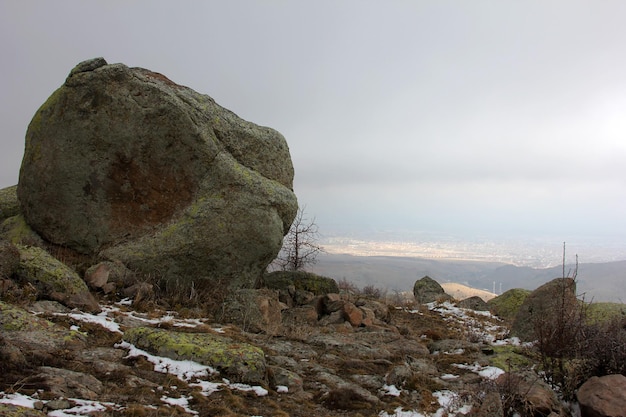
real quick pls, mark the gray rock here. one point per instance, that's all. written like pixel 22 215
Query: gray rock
pixel 300 280
pixel 603 396
pixel 9 259
pixel 240 362
pixel 474 303
pixel 54 280
pixel 552 303
pixel 9 206
pixel 68 384
pixel 426 290
pixel 256 311
pixel 125 163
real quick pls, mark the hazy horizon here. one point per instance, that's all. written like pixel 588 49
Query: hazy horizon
pixel 503 120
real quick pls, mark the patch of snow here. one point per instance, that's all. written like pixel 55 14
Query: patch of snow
pixel 182 402
pixel 391 390
pixel 399 412
pixel 82 408
pixel 100 318
pixel 487 372
pixel 185 370
pixel 449 377
pixel 17 399
pixel 259 391
pixel 125 302
pixel 282 389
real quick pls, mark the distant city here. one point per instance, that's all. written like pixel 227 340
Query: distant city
pixel 532 252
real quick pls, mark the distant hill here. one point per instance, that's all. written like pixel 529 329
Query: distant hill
pixel 460 291
pixel 598 281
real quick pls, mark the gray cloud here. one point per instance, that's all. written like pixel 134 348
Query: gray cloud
pixel 442 115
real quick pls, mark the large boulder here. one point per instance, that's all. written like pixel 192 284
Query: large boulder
pixel 507 305
pixel 426 290
pixel 603 396
pixel 551 305
pixel 125 163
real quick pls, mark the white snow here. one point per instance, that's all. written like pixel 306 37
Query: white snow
pixel 282 389
pixel 185 370
pixel 182 402
pixel 391 390
pixel 487 372
pixel 17 399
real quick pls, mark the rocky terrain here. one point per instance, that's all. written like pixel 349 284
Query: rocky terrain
pixel 133 259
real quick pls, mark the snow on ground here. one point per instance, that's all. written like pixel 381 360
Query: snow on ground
pixel 80 407
pixel 448 406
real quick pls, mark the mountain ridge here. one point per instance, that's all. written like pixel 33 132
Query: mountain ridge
pixel 603 281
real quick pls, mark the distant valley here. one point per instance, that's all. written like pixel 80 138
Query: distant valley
pixel 604 281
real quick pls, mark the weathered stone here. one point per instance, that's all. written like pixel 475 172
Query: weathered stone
pixel 553 303
pixel 491 406
pixel 54 279
pixel 125 163
pixel 301 280
pixel 381 310
pixel 68 384
pixel 538 397
pixel 331 303
pixel 10 410
pixel 507 305
pixel 399 375
pixel 17 231
pixel 238 361
pixel 9 259
pixel 9 205
pixel 352 314
pixel 298 316
pixel 283 377
pixel 255 311
pixel 474 303
pixel 34 336
pixel 426 290
pixel 603 396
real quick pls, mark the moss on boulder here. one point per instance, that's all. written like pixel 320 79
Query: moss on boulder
pixel 238 361
pixel 9 206
pixel 16 230
pixel 301 280
pixel 507 305
pixel 54 279
pixel 34 336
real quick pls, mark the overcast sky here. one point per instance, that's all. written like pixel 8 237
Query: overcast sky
pixel 448 116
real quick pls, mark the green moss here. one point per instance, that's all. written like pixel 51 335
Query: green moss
pixel 510 358
pixel 16 230
pixel 9 205
pixel 301 280
pixel 507 305
pixel 238 360
pixel 16 319
pixel 601 312
pixel 38 265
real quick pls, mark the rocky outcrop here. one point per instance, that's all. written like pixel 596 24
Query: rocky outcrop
pixel 124 163
pixel 603 396
pixel 474 303
pixel 9 206
pixel 257 311
pixel 300 280
pixel 507 304
pixel 426 290
pixel 54 280
pixel 553 303
pixel 238 361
